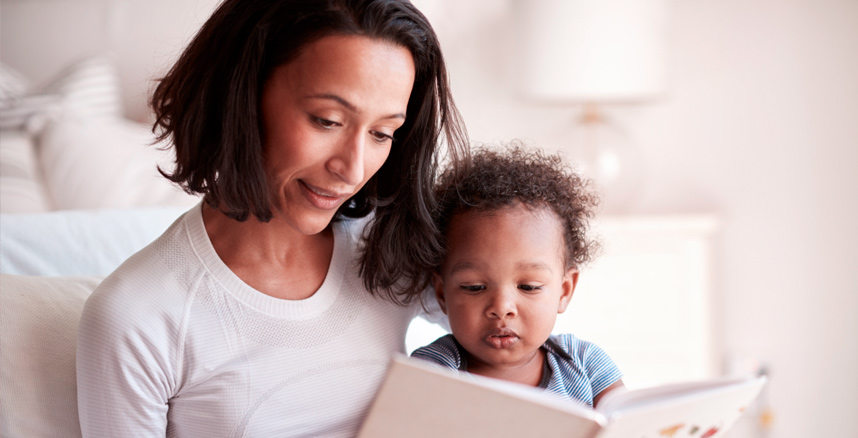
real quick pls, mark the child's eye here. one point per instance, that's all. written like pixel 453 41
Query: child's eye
pixel 529 287
pixel 473 288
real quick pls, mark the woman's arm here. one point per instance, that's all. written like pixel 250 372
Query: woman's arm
pixel 124 363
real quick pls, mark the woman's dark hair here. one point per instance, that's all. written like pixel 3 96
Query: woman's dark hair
pixel 208 107
pixel 499 177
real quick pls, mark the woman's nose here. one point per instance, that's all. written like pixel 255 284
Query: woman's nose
pixel 502 305
pixel 348 160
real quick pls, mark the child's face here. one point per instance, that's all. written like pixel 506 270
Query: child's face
pixel 503 283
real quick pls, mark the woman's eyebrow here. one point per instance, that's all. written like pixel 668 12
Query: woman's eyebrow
pixel 348 105
pixel 339 99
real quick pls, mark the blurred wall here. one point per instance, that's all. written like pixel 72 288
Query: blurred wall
pixel 759 127
pixel 40 37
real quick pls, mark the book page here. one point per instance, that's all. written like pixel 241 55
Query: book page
pixel 417 401
pixel 703 409
pixel 627 398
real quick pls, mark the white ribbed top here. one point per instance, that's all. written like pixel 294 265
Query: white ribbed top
pixel 174 344
pixel 293 309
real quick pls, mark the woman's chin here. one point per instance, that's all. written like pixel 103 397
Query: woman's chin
pixel 309 224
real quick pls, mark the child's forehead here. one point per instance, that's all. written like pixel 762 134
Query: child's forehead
pixel 513 208
pixel 491 234
pixel 532 215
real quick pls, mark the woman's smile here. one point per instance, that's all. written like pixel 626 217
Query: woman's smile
pixel 323 199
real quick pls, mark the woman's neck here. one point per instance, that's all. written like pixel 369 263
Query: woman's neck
pixel 271 257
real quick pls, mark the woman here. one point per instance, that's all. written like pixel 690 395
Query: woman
pixel 260 312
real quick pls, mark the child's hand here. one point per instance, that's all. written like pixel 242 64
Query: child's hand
pixel 616 385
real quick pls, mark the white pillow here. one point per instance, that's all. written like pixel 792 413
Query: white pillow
pixel 21 183
pixel 84 242
pixel 38 335
pixel 106 164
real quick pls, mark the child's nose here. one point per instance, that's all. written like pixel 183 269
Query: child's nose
pixel 502 305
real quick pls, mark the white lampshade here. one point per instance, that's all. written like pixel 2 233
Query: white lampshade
pixel 592 50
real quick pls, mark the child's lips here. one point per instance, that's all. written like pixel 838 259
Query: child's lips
pixel 501 338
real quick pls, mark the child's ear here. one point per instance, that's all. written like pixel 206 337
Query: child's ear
pixel 439 291
pixel 570 280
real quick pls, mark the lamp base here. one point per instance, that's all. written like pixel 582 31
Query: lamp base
pixel 605 153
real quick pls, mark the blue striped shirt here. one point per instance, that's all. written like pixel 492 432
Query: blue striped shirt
pixel 575 369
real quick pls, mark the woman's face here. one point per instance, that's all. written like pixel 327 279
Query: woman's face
pixel 328 121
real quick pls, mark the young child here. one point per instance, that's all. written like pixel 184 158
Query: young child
pixel 513 224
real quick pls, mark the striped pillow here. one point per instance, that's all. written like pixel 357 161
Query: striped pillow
pixel 12 84
pixel 88 88
pixel 22 186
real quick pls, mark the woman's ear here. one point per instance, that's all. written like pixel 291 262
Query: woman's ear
pixel 439 291
pixel 570 280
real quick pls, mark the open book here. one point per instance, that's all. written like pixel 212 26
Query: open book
pixel 417 400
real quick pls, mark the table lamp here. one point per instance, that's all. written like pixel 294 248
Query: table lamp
pixel 595 53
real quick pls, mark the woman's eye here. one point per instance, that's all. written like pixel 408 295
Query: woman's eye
pixel 529 287
pixel 325 123
pixel 381 137
pixel 473 287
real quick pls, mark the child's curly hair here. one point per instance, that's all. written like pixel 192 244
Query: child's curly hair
pixel 495 178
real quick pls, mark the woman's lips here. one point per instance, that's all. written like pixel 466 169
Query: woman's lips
pixel 501 338
pixel 321 198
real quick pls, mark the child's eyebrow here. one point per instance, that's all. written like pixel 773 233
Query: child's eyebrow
pixel 463 266
pixel 523 266
pixel 533 266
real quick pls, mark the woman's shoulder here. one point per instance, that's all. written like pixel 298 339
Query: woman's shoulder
pixel 152 277
pixel 129 295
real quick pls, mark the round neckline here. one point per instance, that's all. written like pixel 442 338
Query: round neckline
pixel 306 308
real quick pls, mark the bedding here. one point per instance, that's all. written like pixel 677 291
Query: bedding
pixel 21 182
pixel 80 192
pixel 66 145
pixel 90 164
pixel 78 242
pixel 49 264
pixel 38 331
pixel 88 87
pixel 79 184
